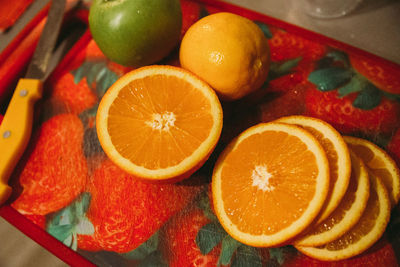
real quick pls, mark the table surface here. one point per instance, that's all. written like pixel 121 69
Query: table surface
pixel 373 27
pixel 21 251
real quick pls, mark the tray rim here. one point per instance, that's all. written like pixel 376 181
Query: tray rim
pixel 26 226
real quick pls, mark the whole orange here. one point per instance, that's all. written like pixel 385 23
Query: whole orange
pixel 227 51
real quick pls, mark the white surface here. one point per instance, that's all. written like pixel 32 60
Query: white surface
pixel 374 26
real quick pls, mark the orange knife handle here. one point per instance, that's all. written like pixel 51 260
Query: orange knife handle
pixel 15 130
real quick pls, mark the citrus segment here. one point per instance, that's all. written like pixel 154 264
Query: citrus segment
pixel 159 122
pixel 347 214
pixel 270 183
pixel 362 235
pixel 338 158
pixel 380 164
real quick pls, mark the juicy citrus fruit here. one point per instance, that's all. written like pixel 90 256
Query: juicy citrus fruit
pixel 270 183
pixel 380 164
pixel 364 233
pixel 229 52
pixel 338 157
pixel 159 122
pixel 347 214
pixel 136 33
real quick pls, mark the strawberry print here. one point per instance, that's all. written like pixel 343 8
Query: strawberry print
pixel 56 171
pixel 341 113
pixel 284 104
pixel 97 74
pixel 180 248
pixel 194 237
pixel 287 48
pixel 72 97
pixel 66 224
pixel 39 220
pixel 293 59
pixel 383 76
pixel 93 52
pixel 350 102
pixel 125 211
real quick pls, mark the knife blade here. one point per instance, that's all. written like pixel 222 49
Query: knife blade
pixel 38 65
pixel 16 127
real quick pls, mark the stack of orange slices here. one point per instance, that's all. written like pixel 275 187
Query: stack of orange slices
pixel 298 181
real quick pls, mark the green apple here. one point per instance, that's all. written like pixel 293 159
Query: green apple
pixel 135 32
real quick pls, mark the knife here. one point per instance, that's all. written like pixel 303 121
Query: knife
pixel 16 127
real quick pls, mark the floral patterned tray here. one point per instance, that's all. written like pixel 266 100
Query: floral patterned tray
pixel 72 200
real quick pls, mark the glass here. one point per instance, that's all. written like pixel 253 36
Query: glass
pixel 329 8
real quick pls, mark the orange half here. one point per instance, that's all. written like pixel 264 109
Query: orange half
pixel 270 183
pixel 159 122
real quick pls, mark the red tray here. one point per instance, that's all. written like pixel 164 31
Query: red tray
pixel 64 155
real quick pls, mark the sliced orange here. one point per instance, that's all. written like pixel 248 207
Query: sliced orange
pixel 338 158
pixel 362 235
pixel 347 214
pixel 380 164
pixel 159 122
pixel 270 183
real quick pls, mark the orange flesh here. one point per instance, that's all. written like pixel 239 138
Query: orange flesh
pixel 345 204
pixel 377 166
pixel 332 156
pixel 364 225
pixel 280 199
pixel 166 123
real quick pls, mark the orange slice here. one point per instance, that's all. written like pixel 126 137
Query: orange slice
pixel 347 214
pixel 362 235
pixel 338 158
pixel 380 164
pixel 159 122
pixel 270 183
